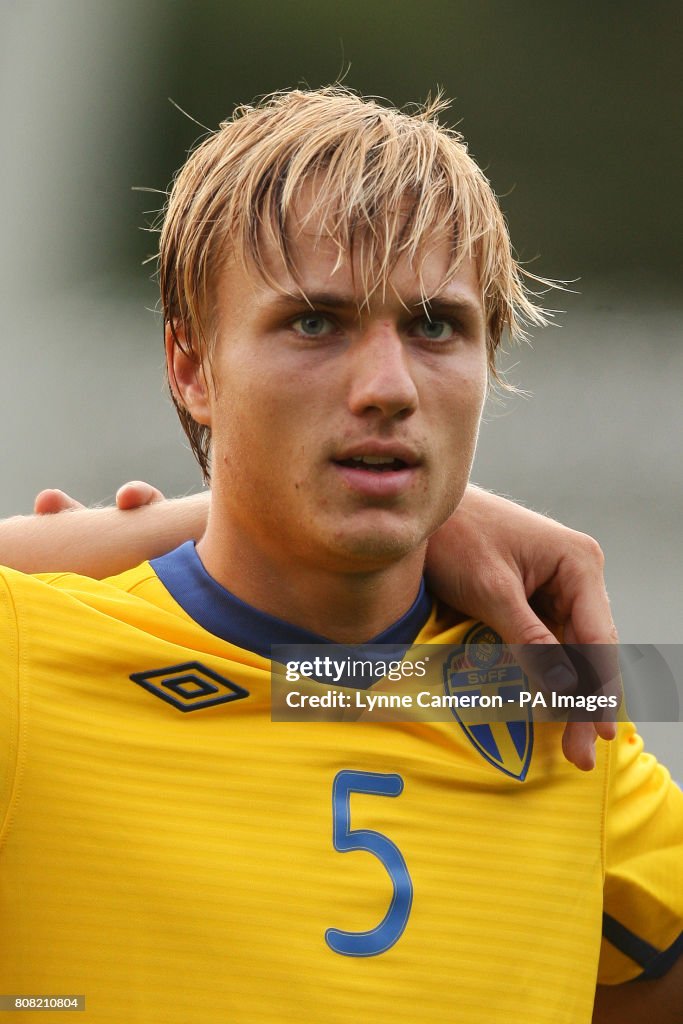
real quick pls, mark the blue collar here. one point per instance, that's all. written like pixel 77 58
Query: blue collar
pixel 219 612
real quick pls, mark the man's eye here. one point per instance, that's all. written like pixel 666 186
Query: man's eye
pixel 434 330
pixel 313 325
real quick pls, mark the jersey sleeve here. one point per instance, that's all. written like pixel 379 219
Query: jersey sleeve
pixel 9 702
pixel 643 890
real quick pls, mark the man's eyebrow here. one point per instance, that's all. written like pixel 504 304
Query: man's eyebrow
pixel 314 299
pixel 454 305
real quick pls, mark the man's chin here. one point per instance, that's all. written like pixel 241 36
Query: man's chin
pixel 377 549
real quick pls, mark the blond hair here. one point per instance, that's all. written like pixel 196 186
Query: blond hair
pixel 386 181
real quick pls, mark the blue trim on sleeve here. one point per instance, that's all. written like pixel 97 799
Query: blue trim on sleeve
pixel 663 962
pixel 219 612
pixel 655 962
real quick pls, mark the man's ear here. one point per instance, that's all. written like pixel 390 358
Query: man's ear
pixel 186 374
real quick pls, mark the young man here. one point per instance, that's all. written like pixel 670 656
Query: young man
pixel 336 277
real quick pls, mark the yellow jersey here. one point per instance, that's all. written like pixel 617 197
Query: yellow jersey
pixel 171 853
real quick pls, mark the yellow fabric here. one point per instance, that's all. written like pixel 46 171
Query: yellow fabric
pixel 180 867
pixel 643 890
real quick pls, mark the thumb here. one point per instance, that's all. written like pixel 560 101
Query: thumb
pixel 537 649
pixel 509 613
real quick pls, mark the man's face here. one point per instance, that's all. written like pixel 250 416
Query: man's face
pixel 341 436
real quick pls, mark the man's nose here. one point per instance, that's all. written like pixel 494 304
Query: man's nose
pixel 381 376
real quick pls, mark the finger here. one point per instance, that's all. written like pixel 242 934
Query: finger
pixel 592 635
pixel 137 493
pixel 606 730
pixel 544 660
pixel 537 649
pixel 51 501
pixel 578 744
pixel 593 628
pixel 597 666
pixel 591 615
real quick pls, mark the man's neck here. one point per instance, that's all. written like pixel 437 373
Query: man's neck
pixel 343 606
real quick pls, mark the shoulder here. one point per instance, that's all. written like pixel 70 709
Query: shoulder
pixel 14 580
pixel 643 912
pixel 48 609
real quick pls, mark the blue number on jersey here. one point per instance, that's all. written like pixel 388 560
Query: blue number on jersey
pixel 345 839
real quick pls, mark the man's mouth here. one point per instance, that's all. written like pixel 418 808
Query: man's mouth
pixel 378 471
pixel 374 463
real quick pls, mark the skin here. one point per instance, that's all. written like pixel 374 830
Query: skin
pixel 295 387
pixel 642 1002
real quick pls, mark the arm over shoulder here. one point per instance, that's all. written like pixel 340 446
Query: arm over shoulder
pixel 100 542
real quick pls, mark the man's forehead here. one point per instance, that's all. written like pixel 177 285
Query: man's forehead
pixel 316 262
pixel 319 243
pixel 341 289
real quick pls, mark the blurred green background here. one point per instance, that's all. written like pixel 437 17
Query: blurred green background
pixel 573 111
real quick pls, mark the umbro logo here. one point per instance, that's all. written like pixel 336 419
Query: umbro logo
pixel 190 686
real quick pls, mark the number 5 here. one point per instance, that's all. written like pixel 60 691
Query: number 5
pixel 345 839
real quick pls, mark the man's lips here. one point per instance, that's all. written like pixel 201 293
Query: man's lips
pixel 374 463
pixel 376 469
pixel 376 454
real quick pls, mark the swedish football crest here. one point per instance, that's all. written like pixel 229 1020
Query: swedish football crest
pixel 483 667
